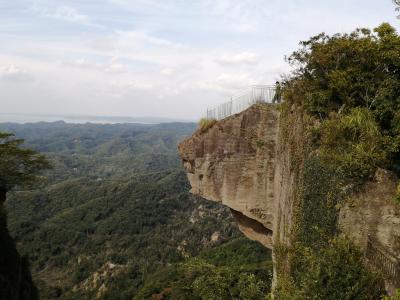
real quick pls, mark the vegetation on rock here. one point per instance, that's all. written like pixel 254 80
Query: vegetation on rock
pixel 205 124
pixel 345 93
pixel 350 83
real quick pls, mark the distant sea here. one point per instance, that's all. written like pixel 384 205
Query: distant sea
pixel 33 118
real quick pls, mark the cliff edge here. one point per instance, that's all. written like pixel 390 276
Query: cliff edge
pixel 247 162
pixel 233 162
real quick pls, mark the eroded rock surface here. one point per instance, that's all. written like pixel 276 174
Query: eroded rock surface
pixel 233 162
pixel 373 213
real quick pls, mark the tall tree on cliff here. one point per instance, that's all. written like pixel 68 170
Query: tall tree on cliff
pixel 19 167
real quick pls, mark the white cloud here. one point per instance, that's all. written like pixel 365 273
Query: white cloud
pixel 234 82
pixel 247 58
pixel 69 14
pixel 126 85
pixel 113 67
pixel 136 37
pixel 226 84
pixel 13 73
pixel 82 63
pixel 167 71
pixel 246 28
pixel 102 43
pixel 65 13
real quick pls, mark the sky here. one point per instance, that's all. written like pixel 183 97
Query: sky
pixel 165 58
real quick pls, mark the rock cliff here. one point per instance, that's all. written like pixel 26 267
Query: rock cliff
pixel 244 162
pixel 15 276
pixel 234 163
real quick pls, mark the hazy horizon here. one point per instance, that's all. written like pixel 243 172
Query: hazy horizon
pixel 170 59
pixel 23 118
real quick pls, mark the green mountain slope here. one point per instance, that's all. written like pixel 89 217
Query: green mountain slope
pixel 116 214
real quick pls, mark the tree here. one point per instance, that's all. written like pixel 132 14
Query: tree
pixel 19 167
pixel 397 3
pixel 354 81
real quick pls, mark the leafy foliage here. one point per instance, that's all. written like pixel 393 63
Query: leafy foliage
pixel 318 214
pixel 235 277
pixel 19 166
pixel 355 144
pixel 337 272
pixel 350 82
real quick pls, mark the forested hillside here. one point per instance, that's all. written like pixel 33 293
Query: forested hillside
pixel 115 220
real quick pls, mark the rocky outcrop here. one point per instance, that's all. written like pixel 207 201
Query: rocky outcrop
pixel 234 163
pixel 244 163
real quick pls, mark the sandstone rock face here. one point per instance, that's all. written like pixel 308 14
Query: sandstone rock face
pixel 373 213
pixel 243 162
pixel 234 163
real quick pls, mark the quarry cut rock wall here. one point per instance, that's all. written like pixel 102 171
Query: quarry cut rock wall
pixel 243 162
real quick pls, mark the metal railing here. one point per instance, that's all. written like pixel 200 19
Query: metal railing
pixel 383 261
pixel 255 94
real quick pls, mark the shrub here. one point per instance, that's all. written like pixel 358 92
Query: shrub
pixel 354 144
pixel 205 124
pixel 338 272
pixel 251 288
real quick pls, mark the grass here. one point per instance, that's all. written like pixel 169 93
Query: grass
pixel 205 124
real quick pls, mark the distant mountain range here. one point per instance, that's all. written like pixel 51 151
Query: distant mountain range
pixel 29 118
